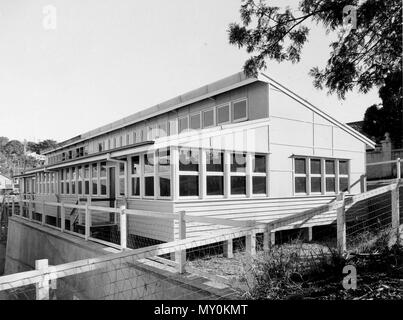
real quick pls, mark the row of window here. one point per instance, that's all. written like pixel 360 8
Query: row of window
pixel 234 111
pixel 320 175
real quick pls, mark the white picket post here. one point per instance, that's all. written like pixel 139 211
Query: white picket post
pixel 123 227
pixel 396 211
pixel 250 242
pixel 398 170
pixel 42 287
pixel 228 248
pixel 180 256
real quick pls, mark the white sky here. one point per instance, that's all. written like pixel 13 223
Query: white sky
pixel 108 59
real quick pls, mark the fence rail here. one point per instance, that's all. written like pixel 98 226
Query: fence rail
pixel 246 228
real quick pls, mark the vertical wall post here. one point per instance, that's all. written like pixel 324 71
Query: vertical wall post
pixel 87 221
pixel 12 207
pixel 62 217
pixel 43 211
pixel 181 255
pixel 42 287
pixel 396 212
pixel 123 227
pixel 250 242
pixel 341 224
pixel 20 209
pixel 398 170
pixel 267 239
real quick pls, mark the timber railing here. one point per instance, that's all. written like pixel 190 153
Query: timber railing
pixel 43 276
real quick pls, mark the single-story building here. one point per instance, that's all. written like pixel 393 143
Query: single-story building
pixel 240 148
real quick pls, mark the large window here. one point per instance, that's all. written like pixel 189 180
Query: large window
pixel 313 175
pixel 80 179
pixel 149 175
pixel 259 174
pixel 67 181
pixel 62 176
pixel 189 160
pixel 239 111
pixel 135 176
pixel 87 179
pixel 164 172
pixel 214 173
pixel 208 118
pixel 73 180
pixel 195 121
pixel 238 174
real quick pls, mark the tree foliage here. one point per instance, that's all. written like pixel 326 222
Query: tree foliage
pixel 41 145
pixel 364 57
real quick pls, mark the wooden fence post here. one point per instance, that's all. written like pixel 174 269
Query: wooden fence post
pixel 43 212
pixel 62 217
pixel 398 171
pixel 396 212
pixel 87 222
pixel 181 255
pixel 341 224
pixel 363 183
pixel 268 239
pixel 250 242
pixel 229 248
pixel 42 287
pixel 123 228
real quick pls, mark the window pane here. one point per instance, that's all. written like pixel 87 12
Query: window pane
pixel 214 161
pixel 135 165
pixel 86 171
pixel 149 186
pixel 215 185
pixel 183 124
pixel 94 187
pixel 330 167
pixel 122 186
pixel 223 114
pixel 103 186
pixel 73 180
pixel 188 185
pixel 135 186
pixel 67 187
pixel 195 121
pixel 238 185
pixel 62 187
pixel 208 118
pixel 149 163
pixel 238 162
pixel 316 184
pixel 121 169
pixel 87 187
pixel 343 167
pixel 330 185
pixel 80 187
pixel 189 160
pixel 300 184
pixel 259 163
pixel 239 110
pixel 315 166
pixel 164 160
pixel 103 169
pixel 94 170
pixel 343 184
pixel 300 165
pixel 259 184
pixel 165 187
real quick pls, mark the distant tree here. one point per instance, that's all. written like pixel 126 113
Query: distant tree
pixel 33 147
pixel 14 147
pixel 3 142
pixel 41 146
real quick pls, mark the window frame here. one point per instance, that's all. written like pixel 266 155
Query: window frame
pixel 214 174
pixel 166 174
pixel 199 114
pixel 189 173
pixel 138 175
pixel 179 122
pixel 238 174
pixel 227 104
pixel 259 174
pixel 147 175
pixel 246 110
pixel 212 109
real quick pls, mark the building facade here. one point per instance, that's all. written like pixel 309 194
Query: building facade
pixel 239 148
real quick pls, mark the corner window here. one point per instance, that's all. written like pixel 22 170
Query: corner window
pixel 300 175
pixel 239 111
pixel 259 174
pixel 238 174
pixel 122 179
pixel 164 172
pixel 343 175
pixel 149 175
pixel 94 178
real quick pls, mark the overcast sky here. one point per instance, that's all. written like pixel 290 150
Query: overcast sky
pixel 107 59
